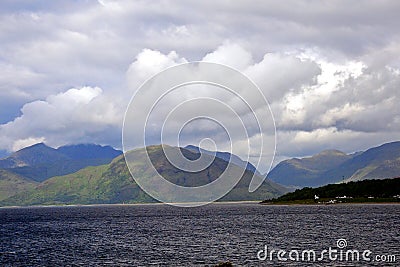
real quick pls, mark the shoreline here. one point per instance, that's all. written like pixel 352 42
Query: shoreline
pixel 130 204
pixel 335 204
pixel 212 203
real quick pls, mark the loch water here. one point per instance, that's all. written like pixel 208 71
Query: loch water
pixel 163 235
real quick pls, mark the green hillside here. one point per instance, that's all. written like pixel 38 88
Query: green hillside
pixel 375 163
pixel 40 162
pixel 384 190
pixel 386 168
pixel 12 183
pixel 112 183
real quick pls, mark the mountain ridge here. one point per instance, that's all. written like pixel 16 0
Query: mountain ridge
pixel 328 166
pixel 40 162
pixel 374 163
pixel 32 155
pixel 112 183
pixel 226 156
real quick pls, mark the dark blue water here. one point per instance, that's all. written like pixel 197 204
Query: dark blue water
pixel 160 235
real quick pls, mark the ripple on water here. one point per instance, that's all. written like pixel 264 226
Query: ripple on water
pixel 143 235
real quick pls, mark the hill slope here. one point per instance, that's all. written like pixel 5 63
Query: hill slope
pixel 112 183
pixel 88 151
pixel 334 166
pixel 387 168
pixel 31 156
pixel 226 156
pixel 12 183
pixel 40 162
pixel 307 171
pixel 375 163
pixel 361 191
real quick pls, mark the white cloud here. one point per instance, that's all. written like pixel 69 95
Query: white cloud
pixel 317 104
pixel 330 72
pixel 230 54
pixel 148 63
pixel 74 116
pixel 278 74
pixel 21 143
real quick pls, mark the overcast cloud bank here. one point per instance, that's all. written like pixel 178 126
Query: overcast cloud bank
pixel 330 69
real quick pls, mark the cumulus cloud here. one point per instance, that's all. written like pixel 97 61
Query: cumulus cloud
pixel 77 115
pixel 148 63
pixel 72 44
pixel 330 72
pixel 278 74
pixel 317 104
pixel 230 54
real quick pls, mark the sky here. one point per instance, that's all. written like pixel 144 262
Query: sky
pixel 330 70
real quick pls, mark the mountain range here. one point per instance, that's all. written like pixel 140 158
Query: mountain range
pixel 333 166
pixel 26 168
pixel 112 183
pixel 227 157
pixel 40 162
pixel 85 174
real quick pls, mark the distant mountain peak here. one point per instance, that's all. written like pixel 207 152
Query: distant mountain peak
pixel 331 166
pixel 85 145
pixel 226 156
pixel 32 155
pixel 88 151
pixel 40 162
pixel 112 183
pixel 35 146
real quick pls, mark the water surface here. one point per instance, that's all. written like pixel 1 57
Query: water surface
pixel 161 235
